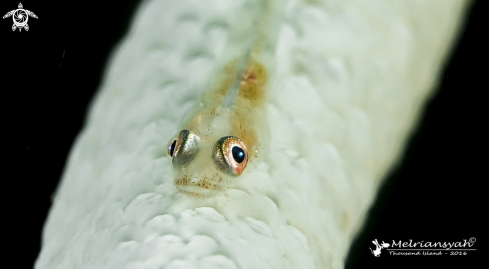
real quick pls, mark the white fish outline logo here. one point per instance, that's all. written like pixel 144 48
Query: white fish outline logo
pixel 20 17
pixel 378 247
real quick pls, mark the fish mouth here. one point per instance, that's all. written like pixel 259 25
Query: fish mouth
pixel 195 191
pixel 198 188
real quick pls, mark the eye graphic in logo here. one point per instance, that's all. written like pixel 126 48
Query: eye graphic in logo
pixel 378 247
pixel 20 17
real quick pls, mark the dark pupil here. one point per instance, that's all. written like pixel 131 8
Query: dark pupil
pixel 238 154
pixel 172 147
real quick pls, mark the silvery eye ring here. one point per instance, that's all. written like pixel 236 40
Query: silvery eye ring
pixel 230 155
pixel 183 149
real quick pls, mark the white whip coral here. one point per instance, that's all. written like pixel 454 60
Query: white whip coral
pixel 345 81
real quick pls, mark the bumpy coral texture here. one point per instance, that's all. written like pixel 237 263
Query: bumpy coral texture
pixel 350 80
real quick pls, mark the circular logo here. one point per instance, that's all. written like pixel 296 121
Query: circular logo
pixel 20 17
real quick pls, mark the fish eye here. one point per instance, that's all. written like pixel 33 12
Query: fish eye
pixel 238 154
pixel 183 149
pixel 171 148
pixel 230 155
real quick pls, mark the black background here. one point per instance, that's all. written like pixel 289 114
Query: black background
pixel 435 194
